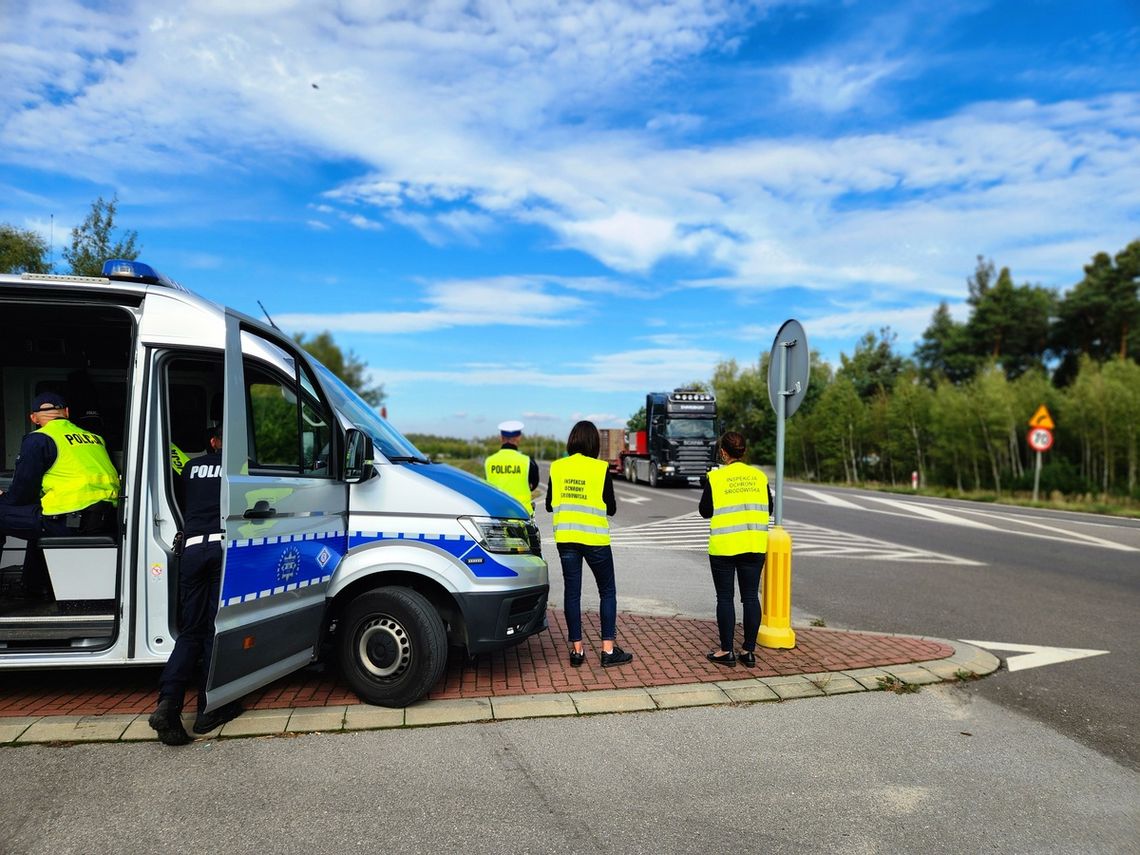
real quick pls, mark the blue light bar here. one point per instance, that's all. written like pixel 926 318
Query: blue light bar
pixel 124 270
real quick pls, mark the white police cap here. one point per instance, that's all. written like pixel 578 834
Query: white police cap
pixel 510 428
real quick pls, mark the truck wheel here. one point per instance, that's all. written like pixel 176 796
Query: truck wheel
pixel 633 471
pixel 392 646
pixel 652 474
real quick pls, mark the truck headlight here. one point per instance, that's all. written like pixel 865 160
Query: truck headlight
pixel 498 535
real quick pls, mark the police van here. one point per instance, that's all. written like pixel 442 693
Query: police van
pixel 341 540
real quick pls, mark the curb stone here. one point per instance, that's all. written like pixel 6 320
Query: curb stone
pixel 56 730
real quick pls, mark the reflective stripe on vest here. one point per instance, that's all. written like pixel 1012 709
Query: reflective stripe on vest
pixel 740 510
pixel 82 473
pixel 576 485
pixel 509 470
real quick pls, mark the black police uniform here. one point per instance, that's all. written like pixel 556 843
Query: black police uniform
pixel 200 493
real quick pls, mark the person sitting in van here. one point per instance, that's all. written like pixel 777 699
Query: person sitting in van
pixel 64 482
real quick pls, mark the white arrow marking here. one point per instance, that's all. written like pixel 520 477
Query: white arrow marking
pixel 1034 655
pixel 633 499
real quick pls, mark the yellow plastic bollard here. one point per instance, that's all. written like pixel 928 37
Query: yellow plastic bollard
pixel 776 594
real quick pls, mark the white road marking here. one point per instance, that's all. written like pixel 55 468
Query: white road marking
pixel 691 532
pixel 827 498
pixel 1067 533
pixel 1035 655
pixel 632 498
pixel 912 510
pixel 930 513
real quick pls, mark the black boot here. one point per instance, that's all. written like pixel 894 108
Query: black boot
pixel 166 720
pixel 205 722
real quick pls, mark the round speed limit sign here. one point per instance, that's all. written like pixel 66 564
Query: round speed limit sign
pixel 1040 439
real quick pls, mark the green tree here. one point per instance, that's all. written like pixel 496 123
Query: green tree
pixel 93 242
pixel 874 366
pixel 945 350
pixel 345 365
pixel 1009 323
pixel 909 418
pixel 954 446
pixel 742 405
pixel 840 421
pixel 636 421
pixel 22 251
pixel 1100 316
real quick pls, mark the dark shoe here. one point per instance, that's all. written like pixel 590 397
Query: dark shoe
pixel 728 659
pixel 205 722
pixel 617 657
pixel 747 658
pixel 166 721
pixel 577 658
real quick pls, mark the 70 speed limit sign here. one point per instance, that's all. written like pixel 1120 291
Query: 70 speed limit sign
pixel 1040 439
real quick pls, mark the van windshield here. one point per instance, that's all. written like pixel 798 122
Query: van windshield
pixel 386 439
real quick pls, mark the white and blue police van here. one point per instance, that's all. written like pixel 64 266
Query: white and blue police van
pixel 341 540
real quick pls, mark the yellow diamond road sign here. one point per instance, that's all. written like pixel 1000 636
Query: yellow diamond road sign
pixel 1042 419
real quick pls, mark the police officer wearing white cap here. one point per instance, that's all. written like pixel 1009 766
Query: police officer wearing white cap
pixel 510 470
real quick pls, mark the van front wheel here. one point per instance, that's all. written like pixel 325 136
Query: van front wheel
pixel 392 646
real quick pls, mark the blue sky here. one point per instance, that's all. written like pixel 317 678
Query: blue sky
pixel 542 210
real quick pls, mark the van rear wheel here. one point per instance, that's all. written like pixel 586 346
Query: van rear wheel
pixel 392 646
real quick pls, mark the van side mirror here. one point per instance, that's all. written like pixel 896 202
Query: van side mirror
pixel 358 456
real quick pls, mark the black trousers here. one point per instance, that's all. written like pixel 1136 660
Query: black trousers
pixel 198 590
pixel 727 570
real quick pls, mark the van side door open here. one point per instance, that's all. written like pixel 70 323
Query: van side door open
pixel 285 507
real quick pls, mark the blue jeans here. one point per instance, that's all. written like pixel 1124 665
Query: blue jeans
pixel 601 562
pixel 726 570
pixel 198 590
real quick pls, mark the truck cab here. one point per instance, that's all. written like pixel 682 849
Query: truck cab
pixel 340 539
pixel 679 441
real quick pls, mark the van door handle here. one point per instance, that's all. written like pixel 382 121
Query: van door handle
pixel 260 511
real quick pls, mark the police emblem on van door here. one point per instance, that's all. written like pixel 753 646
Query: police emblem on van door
pixel 288 565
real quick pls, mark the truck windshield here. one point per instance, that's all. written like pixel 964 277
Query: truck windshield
pixel 690 429
pixel 386 439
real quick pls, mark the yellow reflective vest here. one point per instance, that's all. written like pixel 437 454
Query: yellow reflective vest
pixel 576 485
pixel 178 458
pixel 82 473
pixel 740 510
pixel 509 470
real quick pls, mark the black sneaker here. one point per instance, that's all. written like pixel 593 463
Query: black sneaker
pixel 166 721
pixel 616 657
pixel 577 657
pixel 205 722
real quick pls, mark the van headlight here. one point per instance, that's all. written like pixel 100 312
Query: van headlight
pixel 498 535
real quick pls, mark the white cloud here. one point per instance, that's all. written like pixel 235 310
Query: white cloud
pixel 625 371
pixel 457 112
pixel 836 87
pixel 505 301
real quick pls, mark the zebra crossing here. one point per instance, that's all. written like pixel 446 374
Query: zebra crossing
pixel 691 532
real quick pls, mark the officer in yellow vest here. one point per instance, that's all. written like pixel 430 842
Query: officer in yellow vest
pixel 61 470
pixel 513 472
pixel 736 501
pixel 581 497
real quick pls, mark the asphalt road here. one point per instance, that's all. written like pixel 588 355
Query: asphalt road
pixel 942 771
pixel 900 563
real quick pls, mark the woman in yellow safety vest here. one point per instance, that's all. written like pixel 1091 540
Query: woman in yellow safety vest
pixel 580 495
pixel 736 501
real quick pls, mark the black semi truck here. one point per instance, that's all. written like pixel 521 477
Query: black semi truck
pixel 679 442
